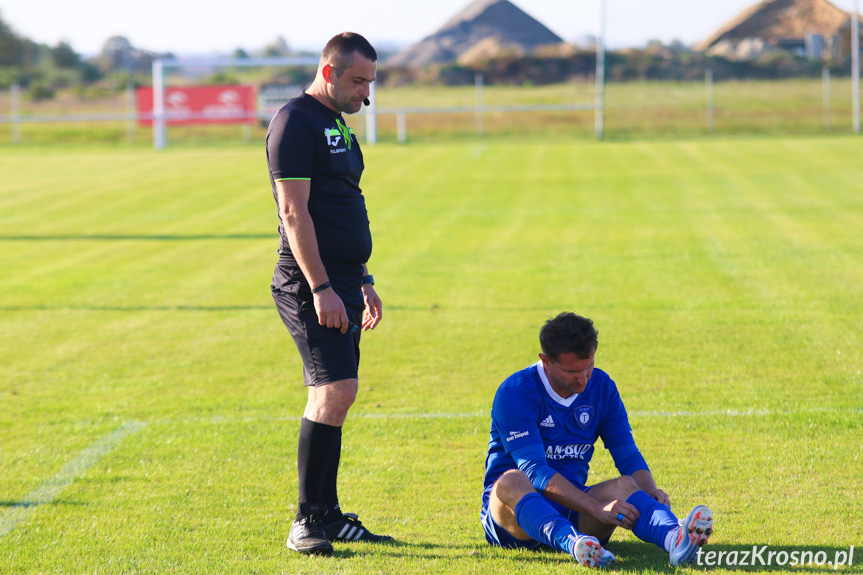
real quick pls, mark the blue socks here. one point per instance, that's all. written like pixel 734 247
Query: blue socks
pixel 543 523
pixel 655 522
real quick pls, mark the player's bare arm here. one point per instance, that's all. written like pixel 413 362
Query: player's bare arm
pixel 293 198
pixel 560 489
pixel 644 479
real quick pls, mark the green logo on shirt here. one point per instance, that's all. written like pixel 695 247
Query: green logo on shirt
pixel 333 135
pixel 346 132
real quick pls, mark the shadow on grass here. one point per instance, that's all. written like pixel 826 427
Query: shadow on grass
pixel 55 502
pixel 17 504
pixel 158 238
pixel 391 308
pixel 136 308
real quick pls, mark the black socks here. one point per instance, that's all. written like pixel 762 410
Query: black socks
pixel 318 455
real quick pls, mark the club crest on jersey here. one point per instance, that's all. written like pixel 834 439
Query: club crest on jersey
pixel 583 416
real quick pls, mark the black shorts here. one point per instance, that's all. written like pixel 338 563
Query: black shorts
pixel 328 354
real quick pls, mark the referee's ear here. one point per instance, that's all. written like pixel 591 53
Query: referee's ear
pixel 327 73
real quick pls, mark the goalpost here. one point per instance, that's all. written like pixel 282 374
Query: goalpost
pixel 161 117
pixel 599 78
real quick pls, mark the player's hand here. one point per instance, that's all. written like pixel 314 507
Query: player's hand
pixel 619 513
pixel 331 310
pixel 661 496
pixel 374 308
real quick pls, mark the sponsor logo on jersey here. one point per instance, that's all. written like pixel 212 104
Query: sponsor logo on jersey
pixel 513 435
pixel 583 416
pixel 334 138
pixel 559 452
pixel 547 422
pixel 340 135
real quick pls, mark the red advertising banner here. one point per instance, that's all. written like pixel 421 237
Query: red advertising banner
pixel 232 104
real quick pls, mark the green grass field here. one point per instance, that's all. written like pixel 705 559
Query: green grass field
pixel 150 397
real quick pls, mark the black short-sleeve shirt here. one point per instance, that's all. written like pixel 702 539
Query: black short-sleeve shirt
pixel 306 140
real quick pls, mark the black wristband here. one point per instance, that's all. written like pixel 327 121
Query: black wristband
pixel 322 287
pixel 369 279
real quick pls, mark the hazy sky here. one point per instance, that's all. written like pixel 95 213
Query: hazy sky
pixel 196 27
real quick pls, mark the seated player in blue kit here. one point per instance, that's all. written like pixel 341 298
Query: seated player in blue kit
pixel 545 420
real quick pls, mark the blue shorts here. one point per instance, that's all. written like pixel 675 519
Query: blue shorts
pixel 498 536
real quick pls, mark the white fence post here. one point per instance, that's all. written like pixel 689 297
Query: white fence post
pixel 708 89
pixel 158 105
pixel 131 110
pixel 855 68
pixel 371 117
pixel 16 112
pixel 478 85
pixel 825 80
pixel 401 127
pixel 599 77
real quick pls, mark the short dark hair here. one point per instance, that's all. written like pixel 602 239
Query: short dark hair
pixel 568 333
pixel 339 51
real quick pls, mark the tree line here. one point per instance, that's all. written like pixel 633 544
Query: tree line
pixel 41 69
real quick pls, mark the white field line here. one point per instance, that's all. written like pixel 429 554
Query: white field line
pixel 216 419
pixel 49 489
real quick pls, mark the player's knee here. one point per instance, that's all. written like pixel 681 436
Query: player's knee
pixel 512 486
pixel 330 403
pixel 515 478
pixel 625 486
pixel 345 396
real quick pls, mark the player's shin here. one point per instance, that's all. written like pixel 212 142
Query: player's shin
pixel 656 520
pixel 317 450
pixel 544 524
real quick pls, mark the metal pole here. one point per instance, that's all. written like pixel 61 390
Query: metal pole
pixel 371 117
pixel 478 84
pixel 825 79
pixel 599 80
pixel 708 90
pixel 401 127
pixel 130 112
pixel 158 105
pixel 16 111
pixel 855 67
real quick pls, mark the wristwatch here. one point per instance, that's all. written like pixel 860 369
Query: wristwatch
pixel 369 279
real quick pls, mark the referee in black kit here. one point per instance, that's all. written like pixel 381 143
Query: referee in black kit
pixel 321 285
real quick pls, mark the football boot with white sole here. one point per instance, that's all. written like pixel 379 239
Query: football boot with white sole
pixel 692 534
pixel 588 552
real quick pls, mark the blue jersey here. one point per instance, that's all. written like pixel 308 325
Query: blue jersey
pixel 538 431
